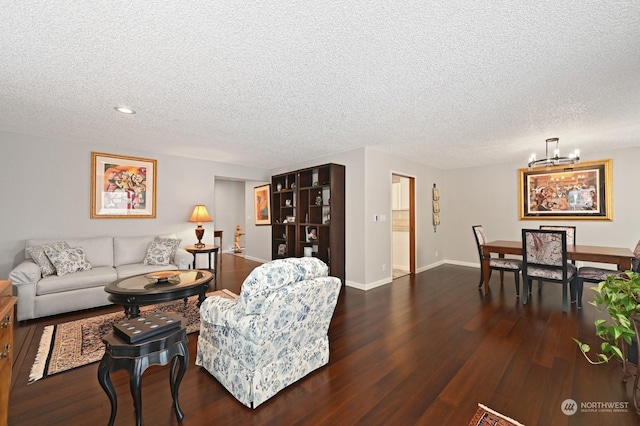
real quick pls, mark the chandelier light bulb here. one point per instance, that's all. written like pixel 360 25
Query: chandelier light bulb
pixel 124 110
pixel 555 159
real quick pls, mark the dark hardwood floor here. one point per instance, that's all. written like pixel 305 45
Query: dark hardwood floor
pixel 423 350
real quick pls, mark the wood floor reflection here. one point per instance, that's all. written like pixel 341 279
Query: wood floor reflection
pixel 424 350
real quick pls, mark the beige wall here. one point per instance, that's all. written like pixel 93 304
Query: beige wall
pixel 45 193
pixel 488 196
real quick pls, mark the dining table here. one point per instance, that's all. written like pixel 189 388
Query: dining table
pixel 619 256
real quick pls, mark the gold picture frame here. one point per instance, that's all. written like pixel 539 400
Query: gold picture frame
pixel 578 192
pixel 122 187
pixel 262 204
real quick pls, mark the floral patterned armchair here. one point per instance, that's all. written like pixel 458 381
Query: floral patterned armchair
pixel 274 334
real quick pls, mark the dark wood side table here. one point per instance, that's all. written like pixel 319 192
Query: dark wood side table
pixel 171 346
pixel 218 234
pixel 206 249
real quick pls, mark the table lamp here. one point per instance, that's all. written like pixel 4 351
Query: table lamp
pixel 200 214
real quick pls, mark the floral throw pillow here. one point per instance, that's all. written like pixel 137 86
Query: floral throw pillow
pixel 39 256
pixel 161 251
pixel 70 260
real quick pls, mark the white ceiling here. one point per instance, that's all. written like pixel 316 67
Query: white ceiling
pixel 448 83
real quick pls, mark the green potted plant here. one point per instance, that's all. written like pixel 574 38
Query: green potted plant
pixel 619 295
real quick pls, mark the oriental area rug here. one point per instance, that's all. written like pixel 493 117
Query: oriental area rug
pixel 485 416
pixel 77 343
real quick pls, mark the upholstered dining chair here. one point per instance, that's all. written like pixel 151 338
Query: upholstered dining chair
pixel 544 258
pixel 498 264
pixel 571 240
pixel 596 275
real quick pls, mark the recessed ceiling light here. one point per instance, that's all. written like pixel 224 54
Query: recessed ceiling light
pixel 124 110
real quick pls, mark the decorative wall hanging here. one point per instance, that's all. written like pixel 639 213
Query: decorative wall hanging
pixel 122 187
pixel 436 207
pixel 567 192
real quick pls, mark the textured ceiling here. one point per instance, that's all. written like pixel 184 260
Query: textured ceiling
pixel 448 83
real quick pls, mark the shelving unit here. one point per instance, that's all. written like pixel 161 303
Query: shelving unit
pixel 283 202
pixel 317 206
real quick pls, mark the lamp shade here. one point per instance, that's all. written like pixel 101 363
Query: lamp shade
pixel 200 214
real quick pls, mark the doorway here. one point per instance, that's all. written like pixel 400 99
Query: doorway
pixel 403 237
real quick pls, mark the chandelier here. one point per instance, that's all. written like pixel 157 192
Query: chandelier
pixel 555 159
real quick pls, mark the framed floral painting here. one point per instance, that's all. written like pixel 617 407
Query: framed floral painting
pixel 122 187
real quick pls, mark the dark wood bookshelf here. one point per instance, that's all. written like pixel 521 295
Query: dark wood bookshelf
pixel 305 200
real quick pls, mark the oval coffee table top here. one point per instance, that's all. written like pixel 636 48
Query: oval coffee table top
pixel 162 283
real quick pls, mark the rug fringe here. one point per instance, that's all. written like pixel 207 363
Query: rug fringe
pixel 37 369
pixel 61 345
pixel 509 419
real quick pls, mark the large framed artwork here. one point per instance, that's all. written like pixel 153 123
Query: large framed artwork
pixel 262 203
pixel 582 191
pixel 122 187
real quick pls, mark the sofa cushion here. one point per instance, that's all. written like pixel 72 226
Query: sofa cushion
pixel 39 255
pixel 129 250
pixel 96 277
pixel 161 251
pixel 171 241
pixel 269 277
pixel 99 250
pixel 67 261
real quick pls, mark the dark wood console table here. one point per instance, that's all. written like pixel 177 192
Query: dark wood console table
pixel 218 234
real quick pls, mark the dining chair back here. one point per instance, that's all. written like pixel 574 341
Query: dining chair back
pixel 596 275
pixel 498 264
pixel 570 230
pixel 544 258
pixel 635 263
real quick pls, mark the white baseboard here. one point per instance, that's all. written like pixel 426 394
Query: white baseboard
pixel 255 259
pixel 459 263
pixel 389 280
pixel 369 286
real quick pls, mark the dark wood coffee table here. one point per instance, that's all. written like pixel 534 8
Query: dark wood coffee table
pixel 158 287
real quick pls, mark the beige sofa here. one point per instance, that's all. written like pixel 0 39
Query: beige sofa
pixel 111 258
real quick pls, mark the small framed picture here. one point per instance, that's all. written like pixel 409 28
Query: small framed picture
pixel 262 205
pixel 311 234
pixel 282 249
